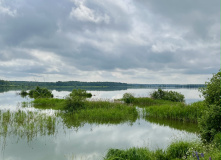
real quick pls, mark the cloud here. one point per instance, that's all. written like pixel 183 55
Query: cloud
pixel 4 10
pixel 84 13
pixel 109 40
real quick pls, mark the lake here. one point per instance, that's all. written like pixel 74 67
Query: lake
pixel 92 140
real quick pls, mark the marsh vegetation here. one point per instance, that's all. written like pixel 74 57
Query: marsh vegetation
pixel 162 108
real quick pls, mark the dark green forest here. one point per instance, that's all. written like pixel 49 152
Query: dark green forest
pixel 6 83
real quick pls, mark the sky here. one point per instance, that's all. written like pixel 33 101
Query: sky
pixel 131 41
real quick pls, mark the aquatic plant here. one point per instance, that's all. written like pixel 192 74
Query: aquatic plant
pixel 47 103
pixel 25 124
pixel 146 101
pixel 180 111
pixel 101 112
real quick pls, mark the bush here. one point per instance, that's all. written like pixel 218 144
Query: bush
pixel 128 98
pixel 212 91
pixel 217 140
pixel 167 95
pixel 23 93
pixel 40 93
pixel 209 123
pixel 178 149
pixel 76 100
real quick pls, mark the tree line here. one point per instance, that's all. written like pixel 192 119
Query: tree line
pixel 61 83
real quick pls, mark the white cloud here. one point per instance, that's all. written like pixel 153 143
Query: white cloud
pixel 7 10
pixel 84 13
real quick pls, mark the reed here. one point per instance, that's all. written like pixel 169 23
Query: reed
pixel 146 102
pixel 100 113
pixel 25 124
pixel 180 111
pixel 48 103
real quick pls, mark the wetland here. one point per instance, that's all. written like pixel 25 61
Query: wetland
pixel 32 131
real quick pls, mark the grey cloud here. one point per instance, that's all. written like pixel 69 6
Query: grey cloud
pixel 150 35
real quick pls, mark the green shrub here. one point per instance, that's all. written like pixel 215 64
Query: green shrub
pixel 130 154
pixel 167 95
pixel 128 98
pixel 23 93
pixel 40 93
pixel 217 140
pixel 178 150
pixel 209 122
pixel 76 100
pixel 212 91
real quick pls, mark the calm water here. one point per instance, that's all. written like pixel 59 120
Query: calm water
pixel 91 141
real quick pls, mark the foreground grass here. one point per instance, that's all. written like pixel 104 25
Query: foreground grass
pixel 179 111
pixel 177 150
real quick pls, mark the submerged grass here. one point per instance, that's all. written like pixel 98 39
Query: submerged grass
pixel 25 124
pixel 180 111
pixel 177 150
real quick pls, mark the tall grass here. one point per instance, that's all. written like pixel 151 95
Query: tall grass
pixel 48 103
pixel 101 113
pixel 177 150
pixel 180 111
pixel 145 102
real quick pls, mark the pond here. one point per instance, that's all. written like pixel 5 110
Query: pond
pixel 91 140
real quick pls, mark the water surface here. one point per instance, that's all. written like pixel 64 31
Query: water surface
pixel 92 141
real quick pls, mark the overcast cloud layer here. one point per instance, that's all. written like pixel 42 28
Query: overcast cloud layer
pixel 133 41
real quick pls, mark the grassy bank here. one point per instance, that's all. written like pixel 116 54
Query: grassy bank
pixel 177 150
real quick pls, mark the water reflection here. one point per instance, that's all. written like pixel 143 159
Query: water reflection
pixel 87 141
pixel 25 124
pixel 61 138
pixel 183 126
